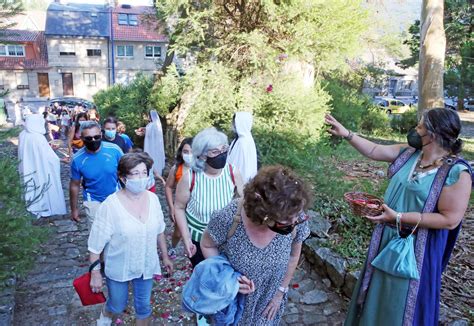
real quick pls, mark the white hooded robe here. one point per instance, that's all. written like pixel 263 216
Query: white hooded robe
pixel 154 144
pixel 242 151
pixel 40 170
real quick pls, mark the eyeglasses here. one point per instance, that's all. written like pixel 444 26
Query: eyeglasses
pixel 303 217
pixel 216 151
pixel 91 138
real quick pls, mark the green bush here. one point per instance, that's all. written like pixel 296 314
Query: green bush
pixel 129 103
pixel 404 121
pixel 286 105
pixel 347 105
pixel 19 239
pixel 375 122
pixel 167 91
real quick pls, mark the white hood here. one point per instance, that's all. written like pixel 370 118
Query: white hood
pixel 34 123
pixel 243 153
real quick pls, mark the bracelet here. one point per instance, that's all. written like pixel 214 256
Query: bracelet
pixel 283 290
pixel 349 136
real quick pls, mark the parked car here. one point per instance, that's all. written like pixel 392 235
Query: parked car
pixel 391 105
pixel 450 103
pixel 71 102
pixel 469 105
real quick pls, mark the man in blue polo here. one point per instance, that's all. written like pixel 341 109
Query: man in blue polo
pixel 96 166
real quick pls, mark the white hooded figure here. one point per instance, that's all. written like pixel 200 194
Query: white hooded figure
pixel 154 144
pixel 18 117
pixel 242 150
pixel 40 170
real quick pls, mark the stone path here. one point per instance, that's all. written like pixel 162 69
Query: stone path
pixel 46 296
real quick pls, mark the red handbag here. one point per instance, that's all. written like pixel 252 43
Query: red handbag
pixel 83 288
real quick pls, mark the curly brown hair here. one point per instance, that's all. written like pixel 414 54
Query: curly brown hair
pixel 277 193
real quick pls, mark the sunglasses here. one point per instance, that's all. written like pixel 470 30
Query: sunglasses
pixel 91 138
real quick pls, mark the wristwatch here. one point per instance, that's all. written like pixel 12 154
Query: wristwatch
pixel 283 290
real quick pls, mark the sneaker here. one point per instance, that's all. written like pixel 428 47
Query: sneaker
pixel 172 253
pixel 103 320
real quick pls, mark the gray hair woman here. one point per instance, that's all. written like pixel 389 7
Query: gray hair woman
pixel 209 186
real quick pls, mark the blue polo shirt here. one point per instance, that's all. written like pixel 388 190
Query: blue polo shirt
pixel 98 171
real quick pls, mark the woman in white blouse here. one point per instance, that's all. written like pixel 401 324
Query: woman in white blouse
pixel 126 229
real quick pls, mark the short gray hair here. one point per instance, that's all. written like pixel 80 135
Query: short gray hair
pixel 88 125
pixel 205 140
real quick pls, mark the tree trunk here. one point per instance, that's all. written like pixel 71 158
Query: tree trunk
pixel 432 51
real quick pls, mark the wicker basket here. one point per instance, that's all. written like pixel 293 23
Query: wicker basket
pixel 363 204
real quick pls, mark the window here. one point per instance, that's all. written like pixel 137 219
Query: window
pixel 124 50
pixel 152 51
pixel 132 20
pixel 94 52
pixel 67 49
pixel 12 50
pixel 122 19
pixel 90 79
pixel 22 80
pixel 127 19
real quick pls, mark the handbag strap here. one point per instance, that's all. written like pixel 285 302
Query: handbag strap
pixel 94 264
pixel 235 221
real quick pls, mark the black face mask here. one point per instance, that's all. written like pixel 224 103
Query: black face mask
pixel 415 139
pixel 282 230
pixel 92 145
pixel 217 162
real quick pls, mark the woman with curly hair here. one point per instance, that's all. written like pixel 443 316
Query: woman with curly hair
pixel 261 235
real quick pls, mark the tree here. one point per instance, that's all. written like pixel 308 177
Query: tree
pixel 249 50
pixel 458 79
pixel 8 9
pixel 432 54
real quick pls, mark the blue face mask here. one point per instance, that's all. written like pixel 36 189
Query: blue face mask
pixel 136 186
pixel 110 134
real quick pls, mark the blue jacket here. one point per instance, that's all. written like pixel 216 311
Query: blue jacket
pixel 212 291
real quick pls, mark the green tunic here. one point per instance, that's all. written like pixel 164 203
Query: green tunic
pixel 386 295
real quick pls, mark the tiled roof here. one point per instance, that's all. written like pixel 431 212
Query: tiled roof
pixel 8 63
pixel 15 35
pixel 77 20
pixel 148 28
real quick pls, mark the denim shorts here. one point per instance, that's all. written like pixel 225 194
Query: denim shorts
pixel 118 296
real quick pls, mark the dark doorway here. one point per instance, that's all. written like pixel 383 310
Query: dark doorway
pixel 43 84
pixel 68 88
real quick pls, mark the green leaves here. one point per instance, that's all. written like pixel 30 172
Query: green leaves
pixel 19 238
pixel 130 103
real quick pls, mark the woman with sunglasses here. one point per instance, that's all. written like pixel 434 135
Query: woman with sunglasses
pixel 208 186
pixel 261 235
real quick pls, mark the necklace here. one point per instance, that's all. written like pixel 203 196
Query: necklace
pixel 426 166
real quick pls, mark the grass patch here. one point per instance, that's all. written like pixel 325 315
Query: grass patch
pixel 8 133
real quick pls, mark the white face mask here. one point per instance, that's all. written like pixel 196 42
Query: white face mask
pixel 188 158
pixel 136 185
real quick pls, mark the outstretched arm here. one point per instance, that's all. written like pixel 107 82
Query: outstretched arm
pixel 385 153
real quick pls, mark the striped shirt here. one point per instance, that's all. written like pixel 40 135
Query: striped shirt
pixel 208 195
